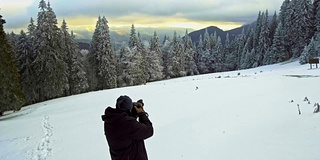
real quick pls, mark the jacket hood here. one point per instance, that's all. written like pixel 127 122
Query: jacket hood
pixel 113 114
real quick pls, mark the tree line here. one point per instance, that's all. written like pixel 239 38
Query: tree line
pixel 45 62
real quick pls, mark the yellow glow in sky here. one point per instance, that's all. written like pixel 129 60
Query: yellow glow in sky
pixel 145 21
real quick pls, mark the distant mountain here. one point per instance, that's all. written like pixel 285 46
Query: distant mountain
pixel 83 43
pixel 212 29
pixel 120 39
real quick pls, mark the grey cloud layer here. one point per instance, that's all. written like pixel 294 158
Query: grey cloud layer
pixel 202 10
pixel 208 10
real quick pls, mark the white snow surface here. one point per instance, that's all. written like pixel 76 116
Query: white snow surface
pixel 240 115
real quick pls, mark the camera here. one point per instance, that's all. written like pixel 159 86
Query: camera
pixel 137 104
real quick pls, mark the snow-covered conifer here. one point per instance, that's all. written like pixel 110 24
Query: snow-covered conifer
pixel 190 64
pixel 49 65
pixel 76 74
pixel 102 58
pixel 278 50
pixel 154 60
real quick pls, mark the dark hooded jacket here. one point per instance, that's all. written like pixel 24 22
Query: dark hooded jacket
pixel 125 135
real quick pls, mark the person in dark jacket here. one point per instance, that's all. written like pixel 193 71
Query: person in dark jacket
pixel 125 135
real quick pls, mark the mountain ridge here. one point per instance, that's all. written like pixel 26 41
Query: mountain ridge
pixel 220 33
pixel 194 35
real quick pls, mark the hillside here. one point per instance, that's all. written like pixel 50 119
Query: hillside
pixel 245 115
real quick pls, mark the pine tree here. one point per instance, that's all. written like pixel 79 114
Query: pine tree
pixel 76 75
pixel 190 64
pixel 239 46
pixel 144 63
pixel 93 58
pixel 273 27
pixel 25 60
pixel 198 56
pixel 278 50
pixel 13 40
pixel 233 57
pixel 166 58
pixel 205 64
pixel 310 51
pixel 165 39
pixel 178 56
pixel 26 52
pixel 304 57
pixel 316 12
pixel 219 57
pixel 133 42
pixel 247 59
pixel 175 58
pixel 206 41
pixel 133 61
pixel 49 65
pixel 227 41
pixel 102 58
pixel 264 41
pixel 257 31
pixel 154 59
pixel 301 25
pixel 285 20
pixel 12 97
pixel 122 62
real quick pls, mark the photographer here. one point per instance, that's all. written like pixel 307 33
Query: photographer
pixel 126 135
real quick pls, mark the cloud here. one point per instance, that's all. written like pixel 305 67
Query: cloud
pixel 206 10
pixel 146 13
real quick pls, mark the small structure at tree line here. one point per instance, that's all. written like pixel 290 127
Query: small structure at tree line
pixel 313 61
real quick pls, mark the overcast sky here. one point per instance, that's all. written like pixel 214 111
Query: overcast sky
pixel 193 14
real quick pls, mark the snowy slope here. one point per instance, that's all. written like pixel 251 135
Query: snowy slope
pixel 240 115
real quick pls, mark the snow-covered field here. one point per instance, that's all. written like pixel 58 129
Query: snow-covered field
pixel 241 115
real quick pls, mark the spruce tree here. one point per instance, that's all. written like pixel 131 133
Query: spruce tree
pixel 247 59
pixel 166 57
pixel 134 66
pixel 76 74
pixel 102 58
pixel 190 64
pixel 264 41
pixel 154 59
pixel 278 50
pixel 203 55
pixel 285 20
pixel 121 65
pixel 49 65
pixel 310 51
pixel 316 12
pixel 227 41
pixel 12 97
pixel 144 63
pixel 219 56
pixel 257 31
pixel 273 27
pixel 25 60
pixel 13 40
pixel 133 42
pixel 300 28
pixel 93 58
pixel 177 57
pixel 206 41
pixel 239 46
